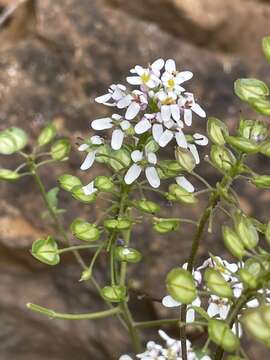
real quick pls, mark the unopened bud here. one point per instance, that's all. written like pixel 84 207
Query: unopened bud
pixel 217 131
pixel 232 242
pixel 181 285
pixel 185 159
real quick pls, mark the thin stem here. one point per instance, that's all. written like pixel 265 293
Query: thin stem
pixel 202 180
pixel 133 332
pixel 77 247
pixel 157 323
pixel 89 316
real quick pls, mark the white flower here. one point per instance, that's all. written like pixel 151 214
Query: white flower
pixel 225 268
pixel 89 189
pixel 169 302
pixel 148 77
pixel 172 79
pixel 142 160
pixel 188 105
pixel 125 357
pixel 198 139
pixel 117 122
pixel 218 307
pixel 168 106
pixel 134 102
pixel 94 142
pixel 115 93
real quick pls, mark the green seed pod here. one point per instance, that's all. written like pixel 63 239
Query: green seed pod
pixel 180 194
pixel 217 131
pixel 181 286
pixel 261 181
pixel 116 159
pixel 84 231
pixel 253 267
pixel 265 148
pixel 267 232
pixel 185 159
pixel 262 106
pixel 242 144
pixel 169 169
pixel 60 150
pixel 114 293
pixel 233 243
pixel 217 284
pixel 246 231
pixel 78 194
pixel 250 89
pixel 257 323
pixel 128 254
pixel 253 130
pixel 147 206
pixel 222 158
pixel 104 183
pixel 46 251
pixel 266 47
pixel 221 334
pixel 163 226
pixel 117 224
pixel 12 140
pixel 68 182
pixel 47 135
pixel 248 279
pixel 86 275
pixel 9 175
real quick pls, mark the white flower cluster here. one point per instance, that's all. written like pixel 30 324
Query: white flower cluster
pixel 217 307
pixel 160 106
pixel 172 350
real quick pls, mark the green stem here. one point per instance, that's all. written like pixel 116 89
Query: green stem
pixel 157 323
pixel 133 331
pixel 90 316
pixel 77 247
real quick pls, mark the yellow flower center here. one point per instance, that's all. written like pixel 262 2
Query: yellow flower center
pixel 145 77
pixel 171 83
pixel 168 101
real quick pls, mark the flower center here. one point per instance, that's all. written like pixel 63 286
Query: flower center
pixel 145 77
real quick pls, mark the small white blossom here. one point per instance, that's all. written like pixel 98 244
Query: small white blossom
pixel 172 79
pixel 218 307
pixel 115 93
pixel 146 77
pixel 93 144
pixel 188 105
pixel 134 102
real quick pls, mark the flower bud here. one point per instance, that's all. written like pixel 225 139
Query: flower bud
pixel 168 169
pixel 67 182
pixel 47 134
pixel 178 193
pixel 250 89
pixel 261 181
pixel 262 106
pixel 185 159
pixel 114 293
pixel 217 131
pixel 12 140
pixel 128 254
pixel 79 194
pixel 266 47
pixel 253 130
pixel 222 158
pixel 147 206
pixel 265 148
pixel 163 226
pixel 217 284
pixel 221 334
pixel 86 275
pixel 46 251
pixel 246 231
pixel 181 286
pixel 84 231
pixel 104 183
pixel 9 175
pixel 248 279
pixel 60 149
pixel 242 144
pixel 254 267
pixel 117 224
pixel 232 242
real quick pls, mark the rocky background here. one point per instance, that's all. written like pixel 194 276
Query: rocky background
pixel 55 57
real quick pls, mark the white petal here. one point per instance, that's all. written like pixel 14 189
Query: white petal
pixel 132 110
pixel 188 117
pixel 197 302
pixel 132 174
pixel 223 311
pixel 190 315
pixel 136 155
pixel 165 112
pixel 152 176
pixel 117 139
pixel 102 124
pixel 181 139
pixel 134 80
pixel 88 161
pixel 198 110
pixel 103 98
pixel 175 112
pixel 170 65
pixel 182 181
pixel 194 152
pixel 212 310
pixel 151 158
pixel 168 301
pixel 117 94
pixel 89 188
pixel 124 102
pixel 200 139
pixel 125 357
pixel 142 126
pixel 157 64
pixel 96 140
pixel 83 147
pixel 165 138
pixel 157 131
pixel 253 303
pixel 183 76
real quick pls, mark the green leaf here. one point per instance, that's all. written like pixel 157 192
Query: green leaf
pixel 67 182
pixel 12 140
pixel 84 231
pixel 217 284
pixel 181 286
pixel 47 134
pixel 114 293
pixel 9 175
pixel 250 89
pixel 60 149
pixel 46 251
pixel 221 334
pixel 78 194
